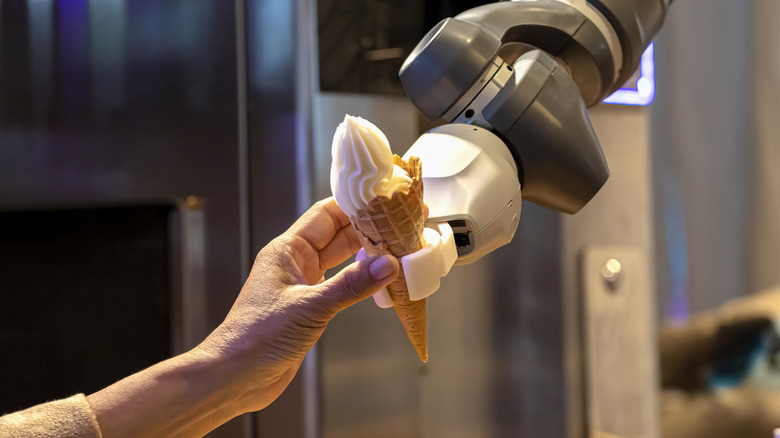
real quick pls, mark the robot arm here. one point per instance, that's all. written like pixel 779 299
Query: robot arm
pixel 519 74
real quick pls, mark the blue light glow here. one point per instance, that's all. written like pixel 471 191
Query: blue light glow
pixel 644 93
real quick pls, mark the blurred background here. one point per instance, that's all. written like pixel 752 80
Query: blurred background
pixel 149 149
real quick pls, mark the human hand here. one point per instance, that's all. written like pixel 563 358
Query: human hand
pixel 286 303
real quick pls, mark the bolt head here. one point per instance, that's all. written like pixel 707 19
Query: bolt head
pixel 611 272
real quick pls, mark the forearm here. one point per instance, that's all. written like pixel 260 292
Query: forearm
pixel 186 396
pixel 246 363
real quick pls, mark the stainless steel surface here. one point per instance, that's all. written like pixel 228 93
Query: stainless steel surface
pixel 245 425
pixel 495 332
pixel 157 146
pixel 281 44
pixel 620 214
pixel 190 277
pixel 619 343
pixel 766 175
pixel 362 43
pixel 708 156
pixel 495 365
pixel 120 102
pixel 242 116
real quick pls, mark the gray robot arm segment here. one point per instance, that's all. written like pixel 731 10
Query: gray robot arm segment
pixel 559 29
pixel 636 23
pixel 525 71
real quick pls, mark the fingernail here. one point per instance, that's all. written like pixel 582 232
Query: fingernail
pixel 381 267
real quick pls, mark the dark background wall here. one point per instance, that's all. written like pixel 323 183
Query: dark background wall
pixel 112 113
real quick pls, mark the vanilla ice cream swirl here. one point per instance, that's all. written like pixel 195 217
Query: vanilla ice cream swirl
pixel 362 166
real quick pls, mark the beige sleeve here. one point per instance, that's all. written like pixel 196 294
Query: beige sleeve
pixel 71 417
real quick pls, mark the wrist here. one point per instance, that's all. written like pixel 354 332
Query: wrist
pixel 187 395
pixel 220 377
pixel 243 367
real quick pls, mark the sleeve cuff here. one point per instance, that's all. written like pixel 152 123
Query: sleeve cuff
pixel 71 417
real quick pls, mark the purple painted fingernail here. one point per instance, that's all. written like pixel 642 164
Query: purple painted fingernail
pixel 381 267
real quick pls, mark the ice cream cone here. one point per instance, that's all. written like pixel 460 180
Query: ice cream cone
pixel 395 226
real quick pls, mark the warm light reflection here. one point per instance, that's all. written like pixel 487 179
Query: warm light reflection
pixel 611 268
pixel 644 93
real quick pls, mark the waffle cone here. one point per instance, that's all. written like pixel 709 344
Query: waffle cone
pixel 395 226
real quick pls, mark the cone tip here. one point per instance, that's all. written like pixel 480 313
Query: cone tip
pixel 422 352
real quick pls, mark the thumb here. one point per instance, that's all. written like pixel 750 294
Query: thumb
pixel 357 282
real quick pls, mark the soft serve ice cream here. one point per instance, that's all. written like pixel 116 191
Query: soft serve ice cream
pixel 383 196
pixel 363 166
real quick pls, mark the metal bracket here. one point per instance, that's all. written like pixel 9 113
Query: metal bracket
pixel 621 388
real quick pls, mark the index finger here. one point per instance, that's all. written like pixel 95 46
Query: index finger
pixel 320 223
